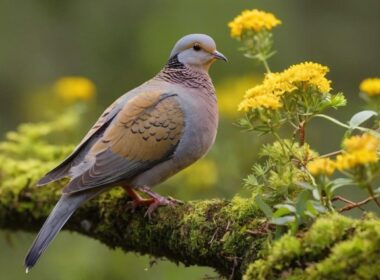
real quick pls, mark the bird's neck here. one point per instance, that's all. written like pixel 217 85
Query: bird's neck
pixel 176 72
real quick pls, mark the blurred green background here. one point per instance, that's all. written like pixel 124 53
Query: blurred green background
pixel 119 44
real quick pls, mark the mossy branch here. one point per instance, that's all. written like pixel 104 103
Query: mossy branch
pixel 230 236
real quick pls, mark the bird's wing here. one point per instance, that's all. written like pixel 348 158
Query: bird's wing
pixel 63 168
pixel 144 133
pixel 107 115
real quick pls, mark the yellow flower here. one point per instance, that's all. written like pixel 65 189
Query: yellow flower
pixel 321 166
pixel 253 20
pixel 73 89
pixel 308 74
pixel 361 142
pixel 370 86
pixel 269 101
pixel 358 150
pixel 297 77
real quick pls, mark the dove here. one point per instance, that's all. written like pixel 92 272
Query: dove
pixel 146 136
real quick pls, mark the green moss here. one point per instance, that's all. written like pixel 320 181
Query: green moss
pixel 355 258
pixel 325 232
pixel 197 211
pixel 335 247
pixel 282 253
pixel 242 209
pixel 199 221
pixel 25 156
pixel 345 257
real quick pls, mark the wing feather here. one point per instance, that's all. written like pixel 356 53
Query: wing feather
pixel 145 132
pixel 62 170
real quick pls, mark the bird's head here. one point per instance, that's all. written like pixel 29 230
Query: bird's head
pixel 197 51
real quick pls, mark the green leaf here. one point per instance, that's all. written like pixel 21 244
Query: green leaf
pixel 283 220
pixel 306 186
pixel 310 207
pixel 281 212
pixel 260 170
pixel 338 100
pixel 289 207
pixel 340 182
pixel 332 101
pixel 318 206
pixel 252 182
pixel 264 206
pixel 316 194
pixel 302 200
pixel 262 128
pixel 361 117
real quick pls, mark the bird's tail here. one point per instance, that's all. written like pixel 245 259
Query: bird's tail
pixel 65 207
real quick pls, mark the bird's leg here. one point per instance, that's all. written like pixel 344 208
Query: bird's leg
pixel 137 199
pixel 158 200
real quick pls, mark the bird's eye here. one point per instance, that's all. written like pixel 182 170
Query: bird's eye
pixel 196 47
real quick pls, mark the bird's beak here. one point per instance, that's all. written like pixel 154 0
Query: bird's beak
pixel 219 55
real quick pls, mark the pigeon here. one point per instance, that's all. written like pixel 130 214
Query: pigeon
pixel 146 136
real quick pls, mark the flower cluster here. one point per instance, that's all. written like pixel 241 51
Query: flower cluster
pixel 370 87
pixel 321 166
pixel 73 89
pixel 284 104
pixel 358 150
pixel 303 76
pixel 254 21
pixel 254 99
pixel 307 74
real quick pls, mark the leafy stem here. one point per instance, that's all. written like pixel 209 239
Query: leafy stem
pixel 281 141
pixel 339 123
pixel 331 154
pixel 265 63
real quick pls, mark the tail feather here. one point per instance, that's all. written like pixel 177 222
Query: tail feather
pixel 65 207
pixel 59 172
pixel 48 178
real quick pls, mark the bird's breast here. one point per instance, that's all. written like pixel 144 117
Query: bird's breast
pixel 201 122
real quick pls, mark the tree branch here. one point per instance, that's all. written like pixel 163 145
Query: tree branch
pixel 206 233
pixel 230 236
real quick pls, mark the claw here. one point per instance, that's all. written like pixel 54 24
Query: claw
pixel 153 202
pixel 161 201
pixel 176 201
pixel 137 200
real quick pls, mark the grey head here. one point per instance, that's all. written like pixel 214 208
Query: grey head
pixel 196 51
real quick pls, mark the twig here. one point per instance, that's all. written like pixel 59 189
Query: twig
pixel 233 269
pixel 331 154
pixel 373 196
pixel 341 198
pixel 302 132
pixel 261 231
pixel 256 232
pixel 213 236
pixel 353 205
pixel 228 226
